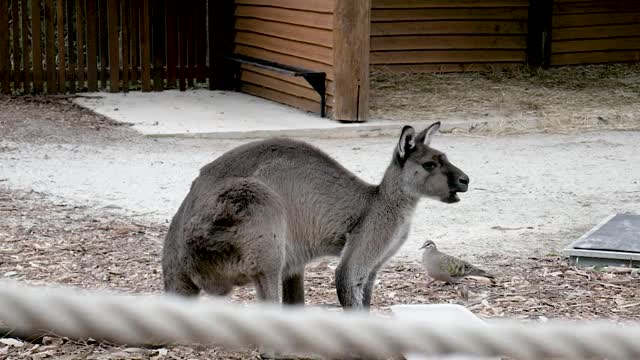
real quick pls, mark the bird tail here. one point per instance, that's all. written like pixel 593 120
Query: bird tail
pixel 482 273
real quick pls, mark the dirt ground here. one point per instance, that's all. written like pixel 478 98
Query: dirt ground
pixel 558 99
pixel 49 235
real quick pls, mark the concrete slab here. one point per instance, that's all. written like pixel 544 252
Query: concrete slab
pixel 202 113
pixel 614 242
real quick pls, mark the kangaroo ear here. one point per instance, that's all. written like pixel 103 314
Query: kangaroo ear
pixel 425 135
pixel 407 141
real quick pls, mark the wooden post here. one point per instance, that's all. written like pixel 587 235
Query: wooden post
pixel 113 13
pixel 158 34
pixel 50 53
pixel 37 45
pixel 80 11
pixel 72 47
pixel 92 46
pixel 145 40
pixel 539 33
pixel 351 36
pixel 17 54
pixel 26 51
pixel 124 18
pixel 62 67
pixel 5 66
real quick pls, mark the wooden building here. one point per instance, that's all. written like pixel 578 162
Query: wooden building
pixel 312 54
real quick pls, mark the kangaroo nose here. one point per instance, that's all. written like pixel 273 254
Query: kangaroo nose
pixel 463 182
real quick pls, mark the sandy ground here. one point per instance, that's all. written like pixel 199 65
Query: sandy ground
pixel 529 194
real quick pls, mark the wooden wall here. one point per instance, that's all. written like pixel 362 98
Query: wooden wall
pixel 441 35
pixel 291 32
pixel 586 32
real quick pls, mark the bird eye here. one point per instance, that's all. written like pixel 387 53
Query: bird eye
pixel 429 165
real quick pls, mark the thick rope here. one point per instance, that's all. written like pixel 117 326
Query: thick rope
pixel 154 319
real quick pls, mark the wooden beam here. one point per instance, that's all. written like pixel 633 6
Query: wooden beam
pixel 26 49
pixel 351 36
pixel 539 35
pixel 72 47
pixel 17 54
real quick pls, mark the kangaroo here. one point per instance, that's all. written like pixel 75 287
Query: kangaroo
pixel 263 210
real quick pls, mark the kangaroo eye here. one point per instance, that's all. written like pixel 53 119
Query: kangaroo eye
pixel 429 165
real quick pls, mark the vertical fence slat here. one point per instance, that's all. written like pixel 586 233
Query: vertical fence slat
pixel 114 48
pixel 103 42
pixel 92 46
pixel 135 40
pixel 191 56
pixel 26 48
pixel 124 18
pixel 80 44
pixel 5 81
pixel 71 48
pixel 50 46
pixel 61 59
pixel 182 45
pixel 172 43
pixel 210 45
pixel 145 39
pixel 201 41
pixel 158 45
pixel 36 29
pixel 17 55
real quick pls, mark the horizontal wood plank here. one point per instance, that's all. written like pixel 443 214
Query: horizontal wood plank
pixel 600 6
pixel 451 56
pixel 448 27
pixel 596 32
pixel 443 68
pixel 595 57
pixel 281 97
pixel 325 6
pixel 284 59
pixel 632 43
pixel 287 31
pixel 447 42
pixel 290 16
pixel 383 15
pixel 572 20
pixel 295 48
pixel 408 4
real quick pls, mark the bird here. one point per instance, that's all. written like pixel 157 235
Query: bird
pixel 443 267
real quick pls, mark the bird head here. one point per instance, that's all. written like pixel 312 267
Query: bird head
pixel 429 245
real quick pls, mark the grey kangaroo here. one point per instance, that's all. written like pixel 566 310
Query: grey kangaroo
pixel 263 210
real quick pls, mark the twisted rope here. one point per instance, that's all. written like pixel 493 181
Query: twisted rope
pixel 156 319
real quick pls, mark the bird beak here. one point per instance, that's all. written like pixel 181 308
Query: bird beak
pixel 423 246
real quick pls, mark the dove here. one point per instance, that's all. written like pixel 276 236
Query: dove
pixel 447 268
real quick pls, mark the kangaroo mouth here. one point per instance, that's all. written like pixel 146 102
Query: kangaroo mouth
pixel 451 198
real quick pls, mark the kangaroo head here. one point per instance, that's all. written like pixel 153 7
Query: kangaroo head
pixel 426 171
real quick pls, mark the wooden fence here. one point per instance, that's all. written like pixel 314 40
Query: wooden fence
pixel 75 45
